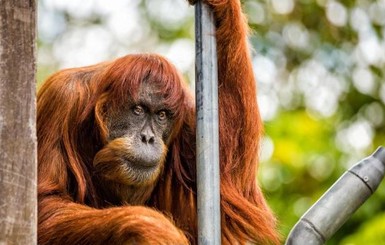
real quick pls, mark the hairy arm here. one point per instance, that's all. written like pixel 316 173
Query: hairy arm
pixel 66 209
pixel 62 221
pixel 246 216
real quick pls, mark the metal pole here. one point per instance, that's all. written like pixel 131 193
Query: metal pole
pixel 347 194
pixel 209 226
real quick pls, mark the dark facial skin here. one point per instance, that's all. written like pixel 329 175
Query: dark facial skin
pixel 147 123
pixel 131 162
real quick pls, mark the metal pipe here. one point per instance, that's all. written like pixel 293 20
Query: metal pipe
pixel 346 195
pixel 209 226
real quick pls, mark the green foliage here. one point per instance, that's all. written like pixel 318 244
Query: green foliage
pixel 372 232
pixel 321 70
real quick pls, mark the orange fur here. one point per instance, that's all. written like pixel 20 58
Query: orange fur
pixel 71 119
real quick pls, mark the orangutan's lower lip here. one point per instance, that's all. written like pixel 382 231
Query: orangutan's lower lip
pixel 141 164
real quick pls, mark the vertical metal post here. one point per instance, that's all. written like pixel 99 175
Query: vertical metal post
pixel 209 225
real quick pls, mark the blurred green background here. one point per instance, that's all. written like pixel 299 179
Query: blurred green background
pixel 320 66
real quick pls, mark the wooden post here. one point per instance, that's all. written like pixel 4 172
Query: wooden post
pixel 208 181
pixel 18 193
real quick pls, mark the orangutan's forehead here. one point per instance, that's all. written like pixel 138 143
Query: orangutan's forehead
pixel 151 93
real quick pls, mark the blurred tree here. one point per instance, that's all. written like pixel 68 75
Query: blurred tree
pixel 320 65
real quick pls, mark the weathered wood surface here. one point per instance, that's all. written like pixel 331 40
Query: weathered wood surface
pixel 18 194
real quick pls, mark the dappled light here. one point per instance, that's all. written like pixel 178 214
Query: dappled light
pixel 320 67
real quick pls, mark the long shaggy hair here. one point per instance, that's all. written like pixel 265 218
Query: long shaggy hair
pixel 72 129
